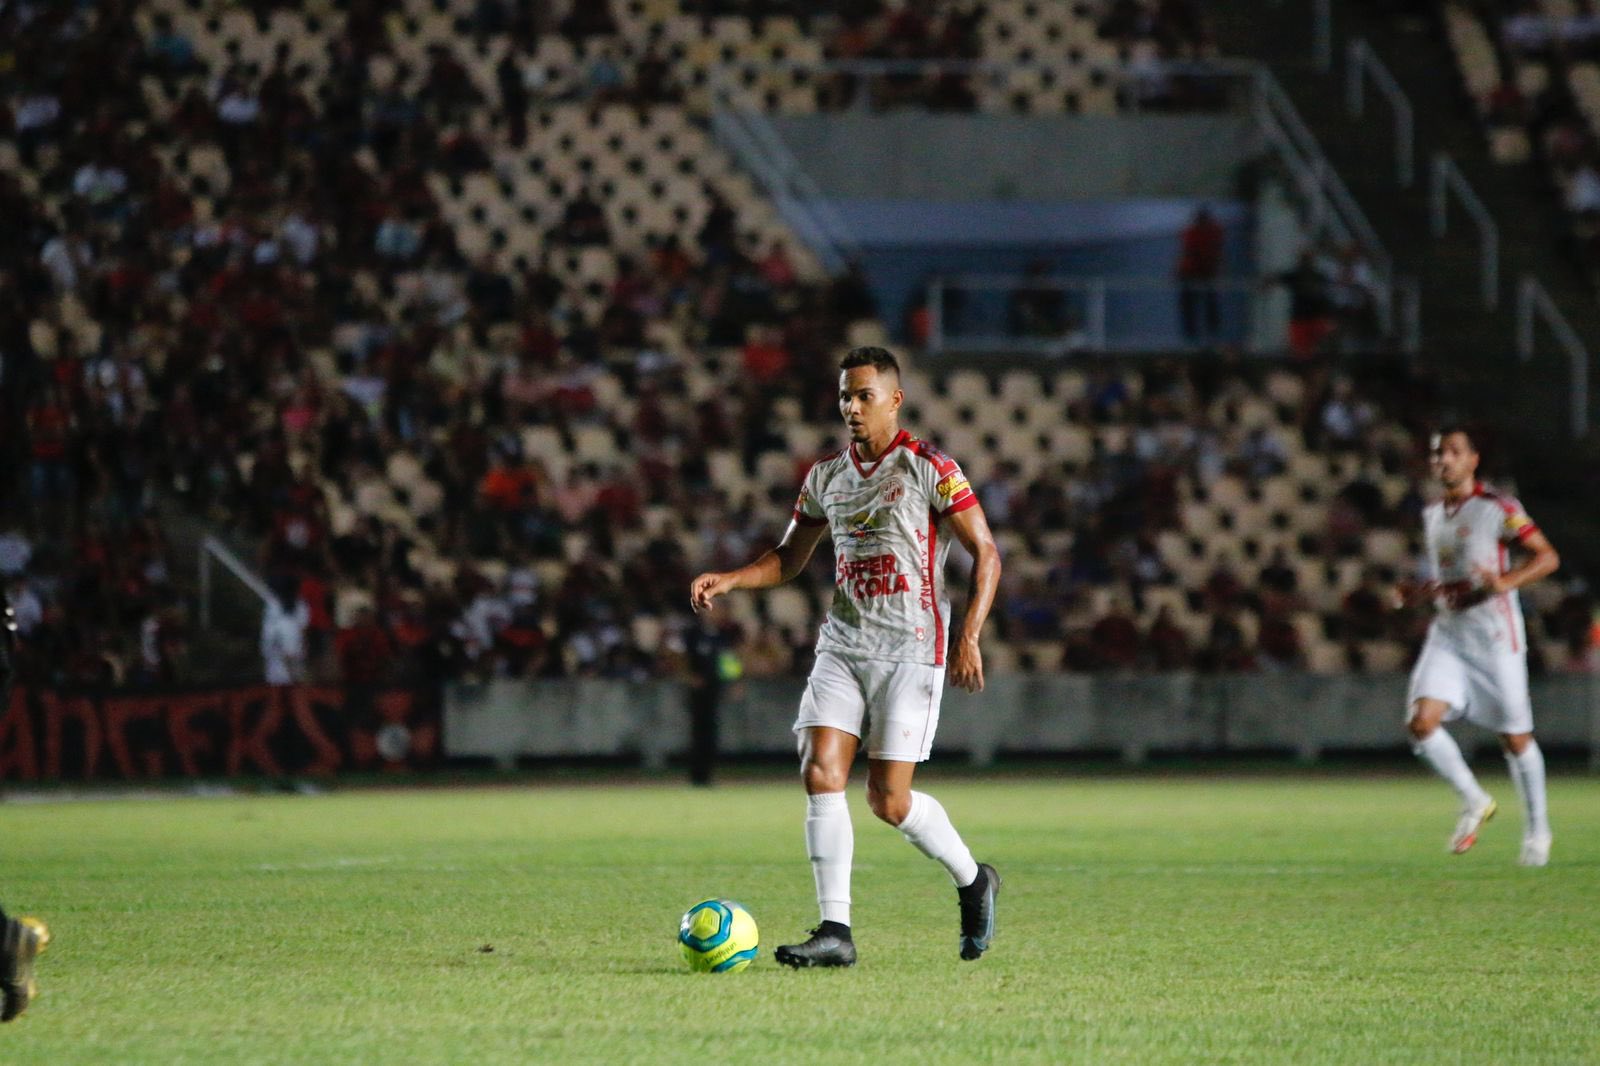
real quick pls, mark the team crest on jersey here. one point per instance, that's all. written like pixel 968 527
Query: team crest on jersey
pixel 922 634
pixel 1463 532
pixel 893 491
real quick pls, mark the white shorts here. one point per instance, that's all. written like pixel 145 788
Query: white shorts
pixel 1489 688
pixel 898 703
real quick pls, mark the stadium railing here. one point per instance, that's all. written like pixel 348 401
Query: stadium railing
pixel 1363 66
pixel 799 201
pixel 214 553
pixel 1534 303
pixel 1322 34
pixel 1447 179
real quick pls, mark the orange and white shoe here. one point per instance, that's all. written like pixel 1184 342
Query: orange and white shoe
pixel 1471 821
pixel 21 941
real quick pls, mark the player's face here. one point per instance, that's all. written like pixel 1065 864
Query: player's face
pixel 1454 460
pixel 869 401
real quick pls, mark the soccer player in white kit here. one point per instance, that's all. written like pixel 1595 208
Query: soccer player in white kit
pixel 1474 663
pixel 891 503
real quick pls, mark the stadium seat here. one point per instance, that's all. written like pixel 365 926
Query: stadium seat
pixel 1324 657
pixel 969 387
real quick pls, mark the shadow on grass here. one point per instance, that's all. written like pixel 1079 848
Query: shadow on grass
pixel 764 967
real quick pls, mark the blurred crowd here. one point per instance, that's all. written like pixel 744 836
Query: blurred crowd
pixel 240 345
pixel 1281 586
pixel 229 316
pixel 1544 103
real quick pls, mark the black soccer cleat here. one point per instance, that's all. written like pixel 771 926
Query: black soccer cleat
pixel 823 949
pixel 21 940
pixel 977 912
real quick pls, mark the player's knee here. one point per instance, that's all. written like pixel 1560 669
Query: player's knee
pixel 821 778
pixel 891 806
pixel 1424 720
pixel 1515 743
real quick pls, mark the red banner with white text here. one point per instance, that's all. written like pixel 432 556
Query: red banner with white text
pixel 260 731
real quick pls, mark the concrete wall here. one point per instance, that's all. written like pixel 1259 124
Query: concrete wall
pixel 912 156
pixel 1044 714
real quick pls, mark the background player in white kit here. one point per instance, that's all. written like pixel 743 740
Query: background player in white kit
pixel 1474 663
pixel 891 503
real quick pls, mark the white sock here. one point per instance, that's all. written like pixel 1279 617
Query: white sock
pixel 929 830
pixel 1527 773
pixel 1439 751
pixel 831 843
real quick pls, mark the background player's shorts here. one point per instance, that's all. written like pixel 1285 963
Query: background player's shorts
pixel 1489 688
pixel 898 703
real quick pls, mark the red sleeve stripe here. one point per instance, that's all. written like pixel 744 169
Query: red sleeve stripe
pixel 1526 531
pixel 960 503
pixel 807 520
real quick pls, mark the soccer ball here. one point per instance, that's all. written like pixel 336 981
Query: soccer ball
pixel 718 936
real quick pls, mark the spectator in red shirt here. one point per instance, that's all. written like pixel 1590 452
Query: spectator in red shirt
pixel 765 358
pixel 1279 643
pixel 778 268
pixel 50 424
pixel 509 487
pixel 1116 640
pixel 1168 643
pixel 1199 264
pixel 364 649
pixel 319 624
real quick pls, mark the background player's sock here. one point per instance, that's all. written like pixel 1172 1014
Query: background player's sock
pixel 831 843
pixel 1439 751
pixel 929 829
pixel 1527 773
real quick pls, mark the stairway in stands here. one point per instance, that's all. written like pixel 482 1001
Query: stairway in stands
pixel 1472 350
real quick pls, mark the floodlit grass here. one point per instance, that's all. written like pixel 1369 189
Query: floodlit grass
pixel 1300 919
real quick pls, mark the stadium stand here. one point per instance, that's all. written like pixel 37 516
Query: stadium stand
pixel 464 321
pixel 1533 75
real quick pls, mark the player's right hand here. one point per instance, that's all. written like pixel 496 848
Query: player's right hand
pixel 1463 595
pixel 966 666
pixel 1410 593
pixel 707 587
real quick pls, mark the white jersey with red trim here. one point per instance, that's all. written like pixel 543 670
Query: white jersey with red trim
pixel 1467 536
pixel 889 599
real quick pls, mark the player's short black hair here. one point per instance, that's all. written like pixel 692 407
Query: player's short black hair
pixel 1462 428
pixel 882 359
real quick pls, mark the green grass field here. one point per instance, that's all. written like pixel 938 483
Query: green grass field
pixel 1300 919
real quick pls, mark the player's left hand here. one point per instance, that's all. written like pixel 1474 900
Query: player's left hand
pixel 966 666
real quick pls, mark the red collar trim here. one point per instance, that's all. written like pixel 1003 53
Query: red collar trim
pixel 868 471
pixel 1455 508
